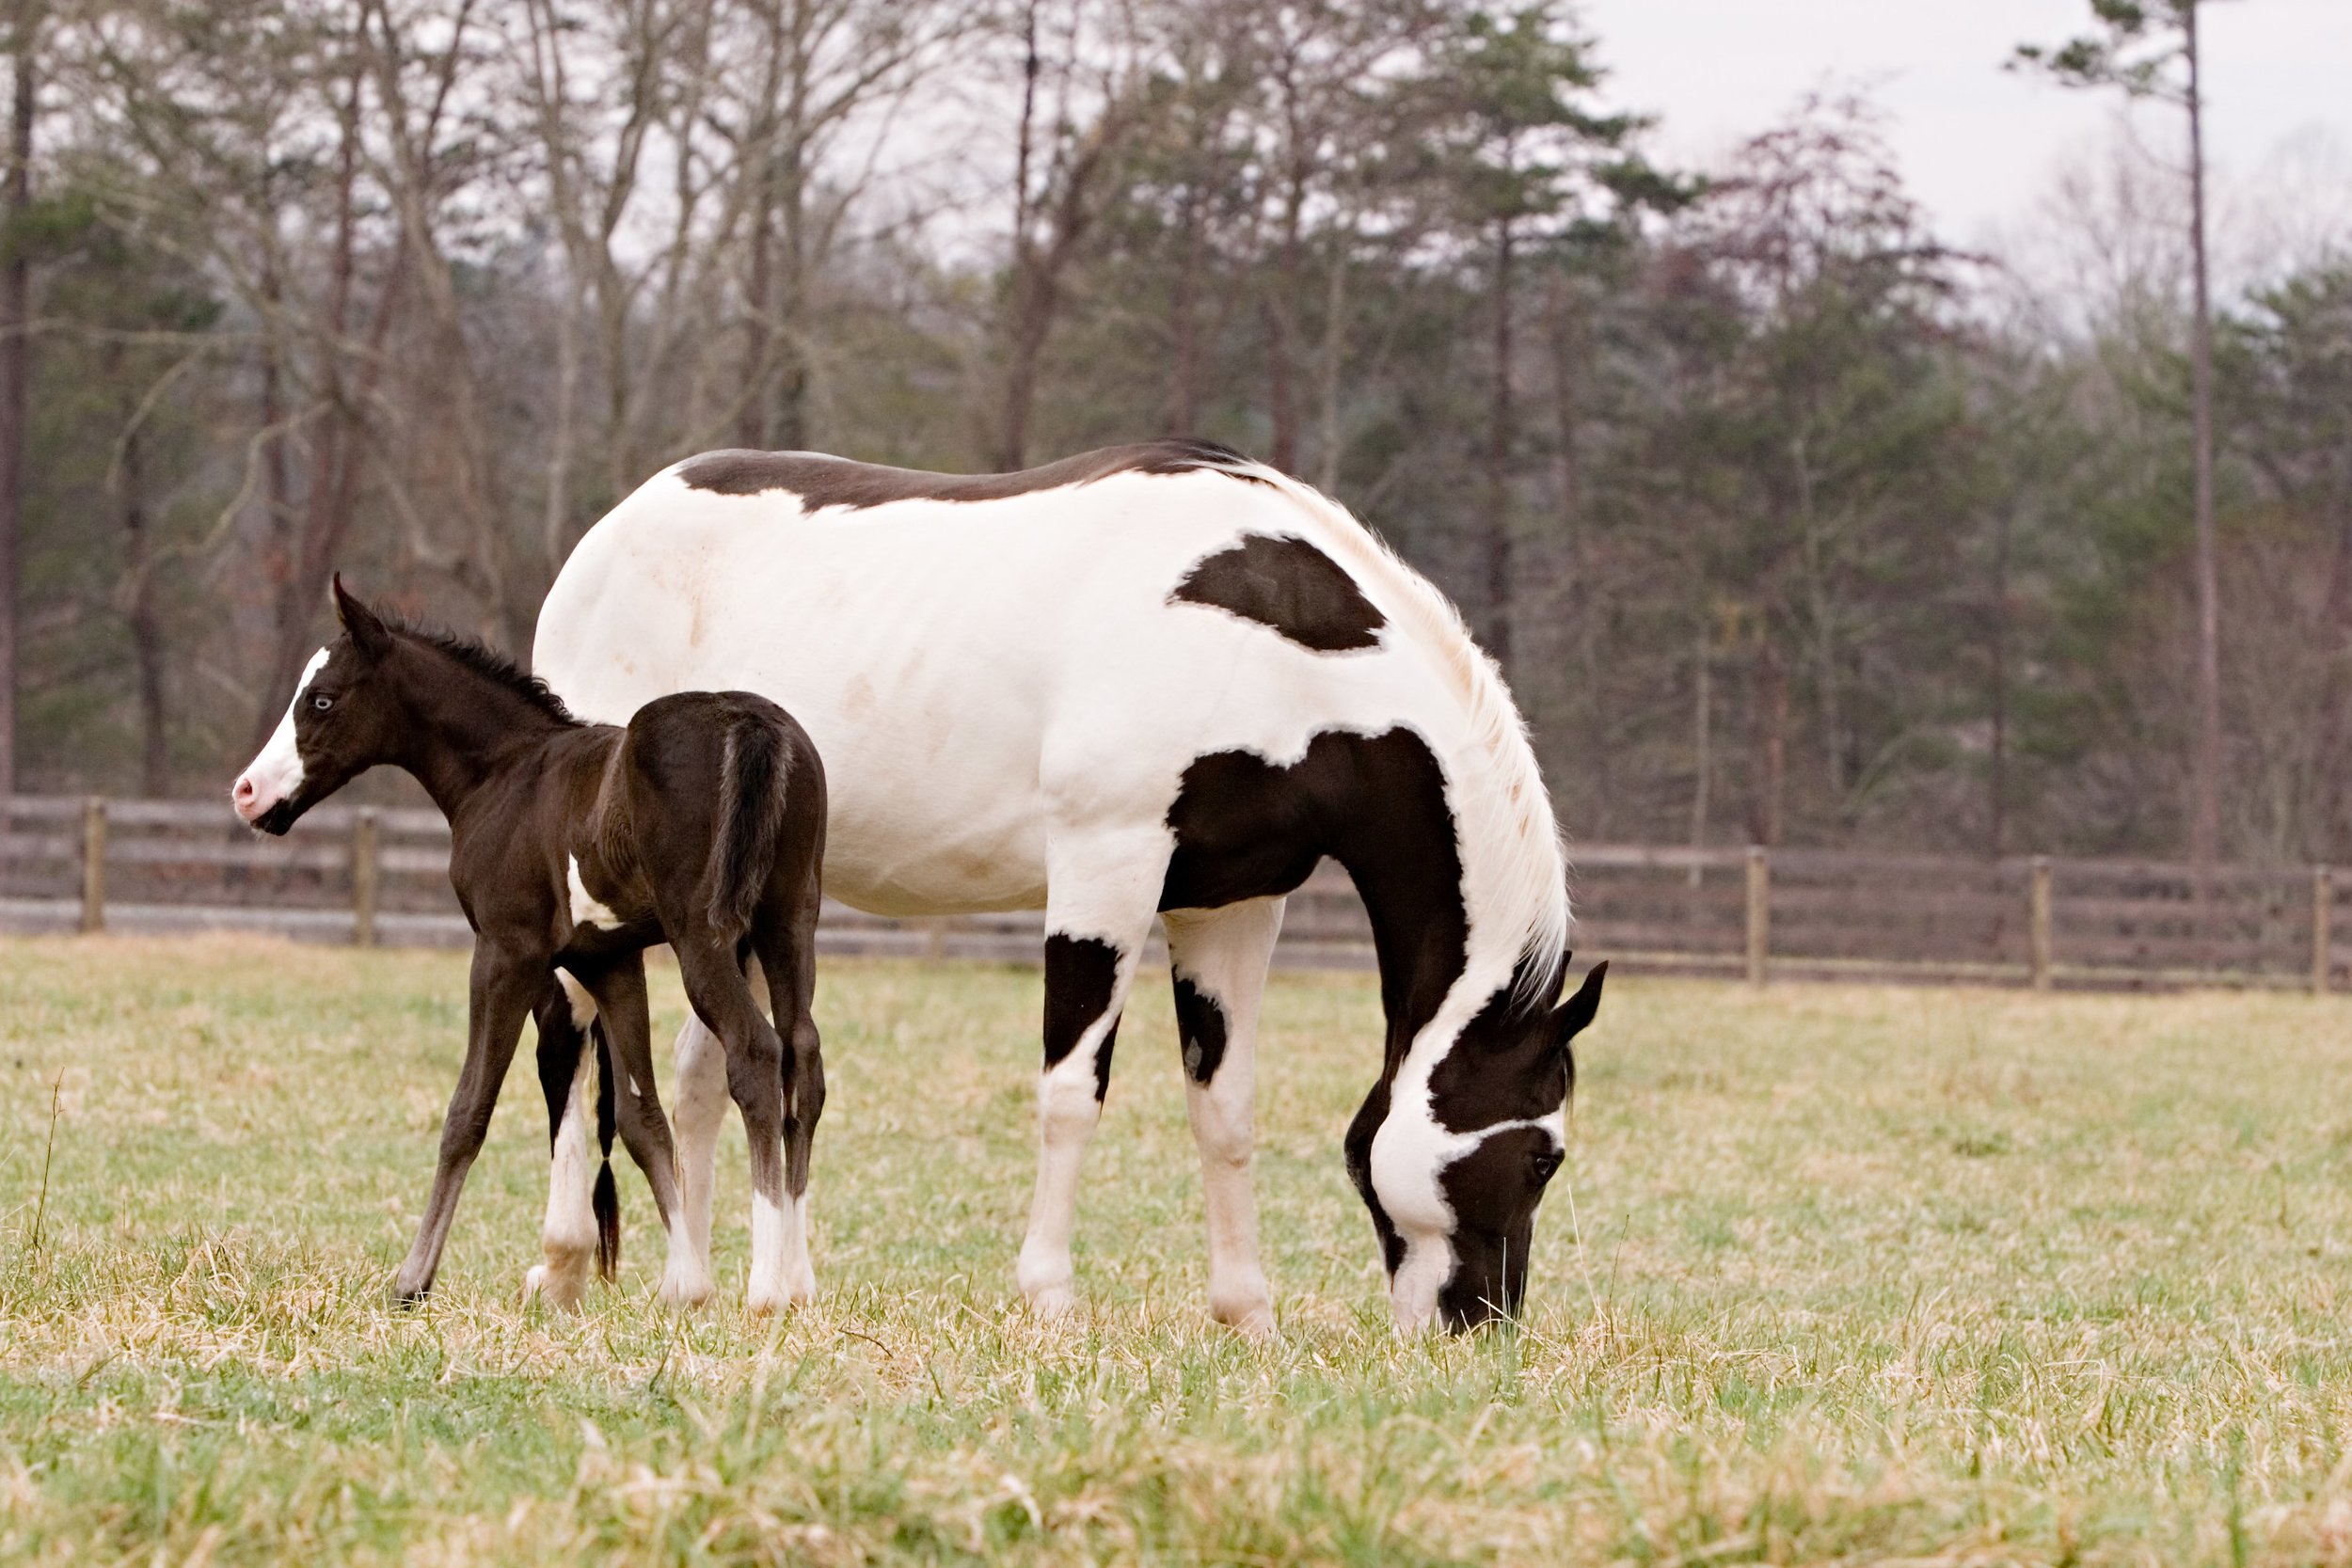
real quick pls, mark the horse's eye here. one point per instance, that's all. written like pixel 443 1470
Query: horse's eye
pixel 1542 1164
pixel 321 704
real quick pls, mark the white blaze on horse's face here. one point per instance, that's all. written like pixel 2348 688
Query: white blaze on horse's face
pixel 274 775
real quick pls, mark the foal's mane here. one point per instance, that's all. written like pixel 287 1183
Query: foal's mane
pixel 491 665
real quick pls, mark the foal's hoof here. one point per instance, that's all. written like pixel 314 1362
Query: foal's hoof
pixel 558 1289
pixel 1253 1321
pixel 409 1300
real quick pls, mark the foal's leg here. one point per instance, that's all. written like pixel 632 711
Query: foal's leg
pixel 1102 889
pixel 789 962
pixel 568 1236
pixel 504 989
pixel 756 1068
pixel 1220 959
pixel 619 990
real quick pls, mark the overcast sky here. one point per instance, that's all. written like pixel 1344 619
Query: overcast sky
pixel 1978 144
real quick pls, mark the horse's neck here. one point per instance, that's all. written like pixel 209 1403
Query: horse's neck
pixel 465 734
pixel 1417 894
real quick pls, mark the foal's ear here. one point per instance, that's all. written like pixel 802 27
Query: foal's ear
pixel 1570 1018
pixel 367 628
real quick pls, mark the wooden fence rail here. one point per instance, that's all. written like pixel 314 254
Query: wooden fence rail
pixel 367 875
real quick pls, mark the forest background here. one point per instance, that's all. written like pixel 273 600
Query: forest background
pixel 1791 521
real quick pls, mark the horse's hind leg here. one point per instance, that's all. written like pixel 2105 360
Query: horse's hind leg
pixel 1102 892
pixel 1218 957
pixel 788 947
pixel 568 1236
pixel 755 1076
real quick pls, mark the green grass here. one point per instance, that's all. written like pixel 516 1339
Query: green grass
pixel 1862 1275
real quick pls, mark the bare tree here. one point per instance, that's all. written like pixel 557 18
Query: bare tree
pixel 2148 49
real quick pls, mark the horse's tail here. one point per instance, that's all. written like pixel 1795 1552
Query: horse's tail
pixel 753 761
pixel 607 1200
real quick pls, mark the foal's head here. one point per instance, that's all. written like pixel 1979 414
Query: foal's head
pixel 339 725
pixel 426 700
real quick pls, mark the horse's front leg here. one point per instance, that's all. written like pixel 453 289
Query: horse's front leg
pixel 505 987
pixel 1220 959
pixel 1102 888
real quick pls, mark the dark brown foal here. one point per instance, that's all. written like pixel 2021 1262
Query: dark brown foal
pixel 574 848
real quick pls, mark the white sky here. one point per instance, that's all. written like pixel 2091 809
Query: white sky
pixel 1978 144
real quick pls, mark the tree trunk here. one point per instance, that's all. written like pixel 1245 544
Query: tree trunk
pixel 1500 418
pixel 1184 323
pixel 2205 833
pixel 1770 738
pixel 16 349
pixel 1997 792
pixel 146 624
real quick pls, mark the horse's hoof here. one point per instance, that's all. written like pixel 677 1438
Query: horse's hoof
pixel 1251 1320
pixel 1053 1301
pixel 683 1292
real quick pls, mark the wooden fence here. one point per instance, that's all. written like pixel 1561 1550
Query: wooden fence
pixel 371 876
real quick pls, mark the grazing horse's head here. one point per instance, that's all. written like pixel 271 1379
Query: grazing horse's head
pixel 1454 1158
pixel 331 733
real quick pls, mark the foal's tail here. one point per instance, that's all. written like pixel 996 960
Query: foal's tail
pixel 607 1200
pixel 753 766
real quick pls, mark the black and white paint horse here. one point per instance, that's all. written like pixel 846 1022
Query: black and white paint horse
pixel 1157 679
pixel 572 848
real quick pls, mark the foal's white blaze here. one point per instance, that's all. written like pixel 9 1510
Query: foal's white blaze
pixel 276 773
pixel 1410 1155
pixel 586 910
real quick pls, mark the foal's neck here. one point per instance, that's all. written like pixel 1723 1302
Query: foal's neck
pixel 465 729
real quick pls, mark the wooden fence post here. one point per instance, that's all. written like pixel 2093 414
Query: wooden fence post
pixel 94 864
pixel 2323 932
pixel 2041 928
pixel 1759 911
pixel 367 863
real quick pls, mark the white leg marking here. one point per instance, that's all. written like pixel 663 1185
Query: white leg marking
pixel 568 1237
pixel 770 1288
pixel 1067 1111
pixel 586 910
pixel 702 1104
pixel 1223 955
pixel 1103 886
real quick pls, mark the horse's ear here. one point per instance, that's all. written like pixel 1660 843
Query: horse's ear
pixel 367 628
pixel 1572 1016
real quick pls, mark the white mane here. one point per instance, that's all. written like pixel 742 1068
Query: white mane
pixel 1510 836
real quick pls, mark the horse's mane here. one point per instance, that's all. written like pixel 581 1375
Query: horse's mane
pixel 1507 821
pixel 491 665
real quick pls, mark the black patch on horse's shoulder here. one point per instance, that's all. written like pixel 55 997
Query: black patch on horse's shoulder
pixel 1200 1026
pixel 1080 975
pixel 1289 585
pixel 1247 827
pixel 821 480
pixel 491 665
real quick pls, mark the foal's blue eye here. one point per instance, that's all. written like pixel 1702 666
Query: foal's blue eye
pixel 321 704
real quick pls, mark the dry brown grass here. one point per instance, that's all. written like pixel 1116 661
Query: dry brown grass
pixel 1865 1275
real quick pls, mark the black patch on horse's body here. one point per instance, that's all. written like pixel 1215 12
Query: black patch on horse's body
pixel 1290 586
pixel 1247 827
pixel 1080 975
pixel 1201 1025
pixel 821 480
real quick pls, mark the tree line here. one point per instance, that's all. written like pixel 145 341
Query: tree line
pixel 1791 521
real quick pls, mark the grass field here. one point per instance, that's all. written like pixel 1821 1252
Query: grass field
pixel 1863 1274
